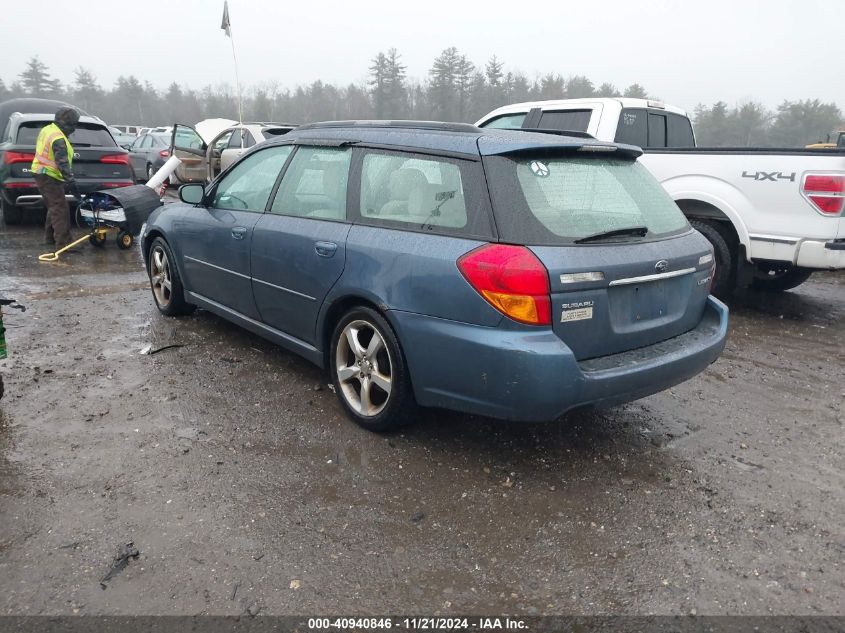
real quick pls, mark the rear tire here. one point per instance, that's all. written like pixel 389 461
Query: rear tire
pixel 12 215
pixel 168 293
pixel 369 373
pixel 778 278
pixel 725 275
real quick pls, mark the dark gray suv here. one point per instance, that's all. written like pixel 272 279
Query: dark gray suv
pixel 510 274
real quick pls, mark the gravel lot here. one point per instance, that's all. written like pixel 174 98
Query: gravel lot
pixel 229 465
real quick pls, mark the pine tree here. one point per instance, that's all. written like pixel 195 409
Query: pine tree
pixel 607 90
pixel 443 77
pixel 396 105
pixel 465 71
pixel 579 87
pixel 87 93
pixel 36 79
pixel 635 91
pixel 377 83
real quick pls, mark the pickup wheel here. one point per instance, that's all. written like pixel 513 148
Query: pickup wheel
pixel 725 275
pixel 779 277
pixel 11 214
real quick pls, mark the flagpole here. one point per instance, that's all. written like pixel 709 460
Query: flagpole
pixel 226 25
pixel 237 78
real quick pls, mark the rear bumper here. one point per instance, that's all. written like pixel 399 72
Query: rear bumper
pixel 25 193
pixel 818 253
pixel 825 255
pixel 533 376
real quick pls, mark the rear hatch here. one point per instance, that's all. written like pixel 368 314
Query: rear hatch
pixel 97 159
pixel 625 269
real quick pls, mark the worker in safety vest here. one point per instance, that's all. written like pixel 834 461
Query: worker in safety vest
pixel 53 171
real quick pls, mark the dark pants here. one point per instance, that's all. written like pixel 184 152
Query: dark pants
pixel 57 226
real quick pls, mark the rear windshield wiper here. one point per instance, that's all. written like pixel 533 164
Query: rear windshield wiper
pixel 635 231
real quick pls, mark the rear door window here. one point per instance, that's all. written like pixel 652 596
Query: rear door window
pixel 656 130
pixel 678 131
pixel 315 184
pixel 555 200
pixel 413 190
pixel 421 192
pixel 236 140
pixel 574 120
pixel 633 127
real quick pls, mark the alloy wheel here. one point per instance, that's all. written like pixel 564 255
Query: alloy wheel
pixel 160 276
pixel 364 368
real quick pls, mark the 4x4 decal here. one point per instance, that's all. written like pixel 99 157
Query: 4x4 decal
pixel 774 176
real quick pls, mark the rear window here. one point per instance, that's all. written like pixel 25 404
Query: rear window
pixel 86 135
pixel 554 200
pixel 273 132
pixel 573 120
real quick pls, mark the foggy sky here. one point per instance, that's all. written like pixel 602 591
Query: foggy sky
pixel 686 52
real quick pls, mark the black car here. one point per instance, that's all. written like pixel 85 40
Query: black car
pixel 148 153
pixel 98 163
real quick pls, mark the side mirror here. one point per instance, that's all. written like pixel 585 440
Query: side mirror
pixel 192 193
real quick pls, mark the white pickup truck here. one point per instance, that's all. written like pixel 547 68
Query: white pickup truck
pixel 773 216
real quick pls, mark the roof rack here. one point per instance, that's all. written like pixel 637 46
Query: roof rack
pixel 416 125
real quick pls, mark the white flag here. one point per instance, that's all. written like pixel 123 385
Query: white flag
pixel 226 25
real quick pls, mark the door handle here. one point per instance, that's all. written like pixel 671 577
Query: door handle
pixel 239 232
pixel 325 249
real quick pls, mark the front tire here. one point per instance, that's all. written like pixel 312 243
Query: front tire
pixel 150 172
pixel 778 278
pixel 725 274
pixel 369 373
pixel 168 293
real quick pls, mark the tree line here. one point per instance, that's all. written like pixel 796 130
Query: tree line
pixel 455 89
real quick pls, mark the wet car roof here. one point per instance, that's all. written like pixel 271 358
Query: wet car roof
pixel 446 137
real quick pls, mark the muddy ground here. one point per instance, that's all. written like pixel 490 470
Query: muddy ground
pixel 232 469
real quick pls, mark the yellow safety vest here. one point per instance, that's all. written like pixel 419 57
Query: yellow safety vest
pixel 44 161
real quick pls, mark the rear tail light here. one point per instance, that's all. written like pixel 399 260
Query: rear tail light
pixel 115 159
pixel 116 183
pixel 826 192
pixel 512 280
pixel 10 158
pixel 164 153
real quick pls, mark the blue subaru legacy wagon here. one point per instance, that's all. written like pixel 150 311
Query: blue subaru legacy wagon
pixel 498 272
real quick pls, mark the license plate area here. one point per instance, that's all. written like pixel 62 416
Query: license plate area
pixel 634 304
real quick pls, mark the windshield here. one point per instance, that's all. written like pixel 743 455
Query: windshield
pixel 567 198
pixel 86 135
